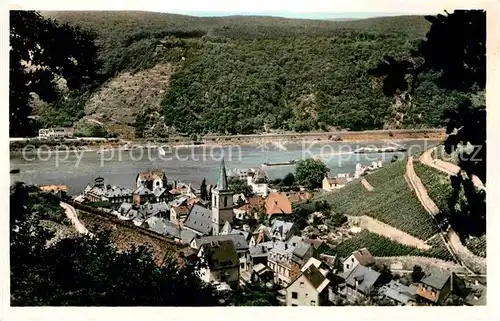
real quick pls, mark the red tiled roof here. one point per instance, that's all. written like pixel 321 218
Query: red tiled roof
pixel 364 257
pixel 278 203
pixel 152 175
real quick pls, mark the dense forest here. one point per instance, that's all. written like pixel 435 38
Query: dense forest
pixel 254 74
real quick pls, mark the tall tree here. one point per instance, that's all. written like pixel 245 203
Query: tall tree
pixel 203 190
pixel 310 172
pixel 40 50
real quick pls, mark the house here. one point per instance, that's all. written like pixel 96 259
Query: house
pixel 222 263
pixel 113 195
pixel 56 132
pixel 300 255
pixel 240 245
pixel 309 288
pixel 257 254
pixel 477 295
pixel 437 285
pixel 398 293
pixel 199 220
pixel 277 204
pixel 332 183
pixel 262 273
pixel 332 261
pixel 138 214
pixel 162 194
pixel 260 235
pixel 282 230
pixel 237 198
pixel 252 206
pixel 361 256
pixel 257 180
pixel 359 282
pixel 152 179
pixel 163 226
pixel 281 255
pixel 178 214
pixel 319 246
pixel 142 195
pixel 228 229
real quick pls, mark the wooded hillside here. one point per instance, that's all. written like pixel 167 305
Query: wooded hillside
pixel 250 74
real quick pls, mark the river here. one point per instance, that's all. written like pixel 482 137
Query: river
pixel 189 165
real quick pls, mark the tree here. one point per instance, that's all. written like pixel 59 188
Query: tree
pixel 385 273
pixel 455 46
pixel 40 50
pixel 239 186
pixel 289 179
pixel 203 190
pixel 310 172
pixel 89 270
pixel 417 273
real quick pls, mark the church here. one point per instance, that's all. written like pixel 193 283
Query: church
pixel 205 221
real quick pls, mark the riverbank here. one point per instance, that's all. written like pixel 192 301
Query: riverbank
pixel 35 145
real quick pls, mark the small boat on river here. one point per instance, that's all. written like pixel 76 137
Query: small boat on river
pixel 292 162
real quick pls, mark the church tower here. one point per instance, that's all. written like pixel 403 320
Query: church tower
pixel 222 202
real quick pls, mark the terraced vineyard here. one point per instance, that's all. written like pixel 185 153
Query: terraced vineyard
pixel 391 202
pixel 438 184
pixel 382 246
pixel 439 188
pixel 438 250
pixel 477 245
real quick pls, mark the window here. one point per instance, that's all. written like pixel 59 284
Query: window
pixel 295 295
pixel 294 305
pixel 307 295
pixel 313 302
pixel 301 284
pixel 225 201
pixel 242 265
pixel 352 259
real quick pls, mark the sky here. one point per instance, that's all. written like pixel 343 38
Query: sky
pixel 310 9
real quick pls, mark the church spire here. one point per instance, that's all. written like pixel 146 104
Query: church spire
pixel 222 184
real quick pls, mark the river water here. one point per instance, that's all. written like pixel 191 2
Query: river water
pixel 191 164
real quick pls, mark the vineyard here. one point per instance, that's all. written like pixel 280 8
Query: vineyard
pixel 391 202
pixel 477 245
pixel 440 191
pixel 382 246
pixel 438 250
pixel 437 183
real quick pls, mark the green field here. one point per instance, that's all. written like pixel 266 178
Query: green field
pixel 391 202
pixel 382 246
